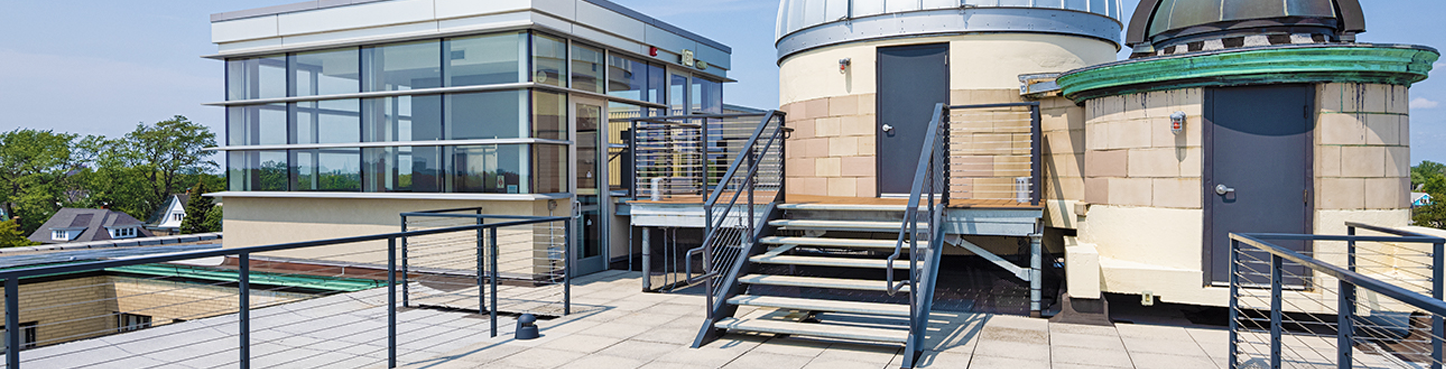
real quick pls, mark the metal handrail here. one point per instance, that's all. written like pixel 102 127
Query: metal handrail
pixel 910 224
pixel 12 277
pixel 1348 280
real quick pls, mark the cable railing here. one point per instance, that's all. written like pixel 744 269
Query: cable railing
pixel 994 153
pixel 682 158
pixel 324 303
pixel 1337 301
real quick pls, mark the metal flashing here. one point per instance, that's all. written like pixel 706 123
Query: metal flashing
pixel 1310 63
pixel 392 195
pixel 950 21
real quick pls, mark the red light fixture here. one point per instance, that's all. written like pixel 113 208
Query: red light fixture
pixel 652 51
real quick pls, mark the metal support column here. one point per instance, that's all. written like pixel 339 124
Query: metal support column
pixel 567 268
pixel 12 323
pixel 406 293
pixel 1346 309
pixel 1275 314
pixel 492 275
pixel 1036 274
pixel 243 316
pixel 391 302
pixel 481 270
pixel 647 250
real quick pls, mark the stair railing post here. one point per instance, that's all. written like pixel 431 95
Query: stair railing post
pixel 391 302
pixel 243 316
pixel 1437 326
pixel 1234 301
pixel 1275 314
pixel 1346 308
pixel 12 323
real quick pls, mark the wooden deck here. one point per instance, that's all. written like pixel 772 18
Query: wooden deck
pixel 839 200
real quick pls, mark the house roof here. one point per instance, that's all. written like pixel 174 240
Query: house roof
pixel 94 221
pixel 159 216
pixel 1416 196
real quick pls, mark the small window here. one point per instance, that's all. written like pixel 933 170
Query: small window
pixel 126 322
pixel 59 236
pixel 123 233
pixel 177 216
pixel 27 335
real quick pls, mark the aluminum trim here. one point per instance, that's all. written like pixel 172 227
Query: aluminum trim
pixel 435 91
pixel 352 145
pixel 391 195
pixel 951 21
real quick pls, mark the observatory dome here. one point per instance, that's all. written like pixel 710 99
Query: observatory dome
pixel 1162 23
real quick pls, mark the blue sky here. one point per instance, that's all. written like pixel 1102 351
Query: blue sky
pixel 100 67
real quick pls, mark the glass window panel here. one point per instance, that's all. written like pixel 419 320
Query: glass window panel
pixel 256 125
pixel 707 96
pixel 486 115
pixel 677 94
pixel 333 169
pixel 549 116
pixel 327 121
pixel 587 68
pixel 551 164
pixel 656 76
pixel 256 78
pixel 256 170
pixel 403 66
pixel 549 60
pixel 489 168
pixel 402 118
pixel 402 169
pixel 627 78
pixel 489 59
pixel 326 72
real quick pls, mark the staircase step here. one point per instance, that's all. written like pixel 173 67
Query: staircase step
pixel 902 263
pixel 835 242
pixel 836 283
pixel 889 226
pixel 870 308
pixel 845 207
pixel 815 330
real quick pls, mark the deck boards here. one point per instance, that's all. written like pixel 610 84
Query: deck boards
pixel 841 200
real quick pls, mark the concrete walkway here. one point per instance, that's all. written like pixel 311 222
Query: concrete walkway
pixel 616 326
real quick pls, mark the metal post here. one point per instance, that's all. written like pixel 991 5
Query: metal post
pixel 482 256
pixel 12 323
pixel 1036 161
pixel 1345 331
pixel 492 275
pixel 392 302
pixel 406 292
pixel 1036 274
pixel 1234 301
pixel 244 312
pixel 567 269
pixel 647 250
pixel 1437 326
pixel 1275 315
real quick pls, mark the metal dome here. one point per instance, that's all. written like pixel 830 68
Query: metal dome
pixel 1162 22
pixel 805 24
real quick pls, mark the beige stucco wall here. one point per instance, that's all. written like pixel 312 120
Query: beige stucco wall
pixel 1142 196
pixel 833 148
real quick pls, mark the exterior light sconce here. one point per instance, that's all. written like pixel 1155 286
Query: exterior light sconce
pixel 843 64
pixel 1177 122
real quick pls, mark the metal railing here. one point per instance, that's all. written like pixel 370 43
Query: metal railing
pixel 318 300
pixel 1336 301
pixel 735 209
pixel 683 157
pixel 993 153
pixel 929 190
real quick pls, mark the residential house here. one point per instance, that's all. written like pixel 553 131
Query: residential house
pixel 1419 199
pixel 166 220
pixel 85 225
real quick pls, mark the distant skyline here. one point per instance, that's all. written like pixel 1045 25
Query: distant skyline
pixel 101 67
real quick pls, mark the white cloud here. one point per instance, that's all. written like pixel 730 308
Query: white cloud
pixel 1422 103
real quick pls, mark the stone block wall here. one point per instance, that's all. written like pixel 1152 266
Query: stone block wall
pixel 831 151
pixel 1062 130
pixel 1363 153
pixel 1132 158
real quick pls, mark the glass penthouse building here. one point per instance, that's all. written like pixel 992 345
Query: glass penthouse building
pixel 339 117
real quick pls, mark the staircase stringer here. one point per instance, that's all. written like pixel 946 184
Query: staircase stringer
pixel 729 286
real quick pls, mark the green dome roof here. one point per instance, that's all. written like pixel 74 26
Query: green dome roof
pixel 1160 21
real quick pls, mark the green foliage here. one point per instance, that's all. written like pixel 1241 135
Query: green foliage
pixel 197 210
pixel 1430 177
pixel 42 171
pixel 12 236
pixel 213 219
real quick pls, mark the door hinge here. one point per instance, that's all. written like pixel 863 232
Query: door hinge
pixel 1305 196
pixel 1305 112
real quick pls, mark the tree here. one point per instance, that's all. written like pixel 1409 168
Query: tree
pixel 1421 173
pixel 197 210
pixel 12 236
pixel 138 172
pixel 36 168
pixel 1430 177
pixel 213 219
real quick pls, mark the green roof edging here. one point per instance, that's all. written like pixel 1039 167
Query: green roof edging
pixel 335 284
pixel 1319 63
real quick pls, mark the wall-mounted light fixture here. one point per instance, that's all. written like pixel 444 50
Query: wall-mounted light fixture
pixel 843 64
pixel 1177 122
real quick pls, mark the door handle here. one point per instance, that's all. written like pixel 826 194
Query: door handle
pixel 888 127
pixel 1221 190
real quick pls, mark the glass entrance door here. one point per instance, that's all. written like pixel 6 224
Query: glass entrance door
pixel 592 195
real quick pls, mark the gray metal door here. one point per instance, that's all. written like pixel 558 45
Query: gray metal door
pixel 1257 170
pixel 911 80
